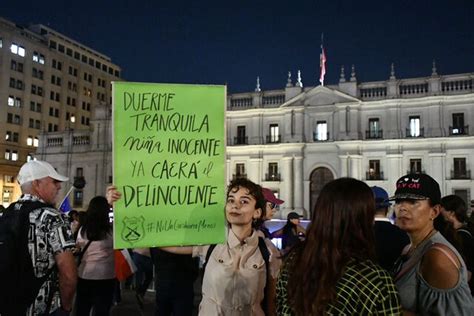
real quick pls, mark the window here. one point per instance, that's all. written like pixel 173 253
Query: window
pixel 16 84
pixel 38 58
pixel 8 178
pixel 321 132
pixel 35 107
pixel 13 101
pixel 79 172
pixel 56 80
pixel 240 170
pixel 458 127
pixel 459 169
pixel 16 66
pixel 17 50
pixel 7 196
pixel 11 137
pixel 414 129
pixel 36 142
pixel 374 170
pixel 36 73
pixel 13 119
pixel 273 174
pixel 29 141
pixel 78 198
pixel 274 136
pixel 241 136
pixel 374 129
pixel 11 155
pixel 415 166
pixel 57 64
pixel 36 90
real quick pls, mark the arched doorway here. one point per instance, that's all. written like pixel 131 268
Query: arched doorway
pixel 319 177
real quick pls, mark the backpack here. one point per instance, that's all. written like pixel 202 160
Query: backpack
pixel 266 257
pixel 18 284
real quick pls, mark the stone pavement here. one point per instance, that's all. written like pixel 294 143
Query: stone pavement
pixel 129 305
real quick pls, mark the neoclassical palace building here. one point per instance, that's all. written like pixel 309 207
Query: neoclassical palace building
pixel 296 139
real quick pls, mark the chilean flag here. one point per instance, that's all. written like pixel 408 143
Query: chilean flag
pixel 124 266
pixel 322 65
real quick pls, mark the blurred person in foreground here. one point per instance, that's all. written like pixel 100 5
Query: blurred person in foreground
pixel 50 239
pixel 431 275
pixel 389 239
pixel 454 211
pixel 333 271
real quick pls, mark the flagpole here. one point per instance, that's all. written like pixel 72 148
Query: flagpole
pixel 322 62
pixel 65 197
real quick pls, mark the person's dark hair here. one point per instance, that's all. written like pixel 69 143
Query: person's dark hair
pixel 254 190
pixel 457 205
pixel 96 225
pixel 73 213
pixel 341 229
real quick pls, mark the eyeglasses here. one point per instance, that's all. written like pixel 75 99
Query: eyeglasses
pixel 272 205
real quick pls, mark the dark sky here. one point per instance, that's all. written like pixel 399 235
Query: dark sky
pixel 234 41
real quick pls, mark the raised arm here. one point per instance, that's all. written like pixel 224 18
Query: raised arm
pixel 185 250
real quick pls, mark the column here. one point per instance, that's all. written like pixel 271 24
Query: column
pixel 343 163
pixel 437 163
pixel 298 184
pixel 356 166
pixel 255 171
pixel 287 181
pixel 394 170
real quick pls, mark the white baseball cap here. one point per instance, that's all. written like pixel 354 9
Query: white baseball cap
pixel 36 169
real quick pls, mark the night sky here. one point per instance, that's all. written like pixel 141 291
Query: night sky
pixel 233 42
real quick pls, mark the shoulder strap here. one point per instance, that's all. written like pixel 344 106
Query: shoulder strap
pixel 262 246
pixel 208 255
pixel 444 249
pixel 81 254
pixel 413 261
pixel 464 230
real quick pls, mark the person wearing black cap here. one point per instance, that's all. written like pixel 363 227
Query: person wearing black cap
pixel 431 276
pixel 292 233
pixel 389 239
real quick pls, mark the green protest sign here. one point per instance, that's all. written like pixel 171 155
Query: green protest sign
pixel 169 164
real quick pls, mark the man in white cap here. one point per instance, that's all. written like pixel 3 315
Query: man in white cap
pixel 50 239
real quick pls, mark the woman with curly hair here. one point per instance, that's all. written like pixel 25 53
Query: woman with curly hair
pixel 333 271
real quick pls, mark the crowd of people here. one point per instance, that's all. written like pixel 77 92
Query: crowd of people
pixel 355 258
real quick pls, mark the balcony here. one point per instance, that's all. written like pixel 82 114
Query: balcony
pixel 320 137
pixel 241 140
pixel 374 134
pixel 273 139
pixel 239 176
pixel 412 134
pixel 414 171
pixel 458 130
pixel 460 174
pixel 374 175
pixel 272 177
